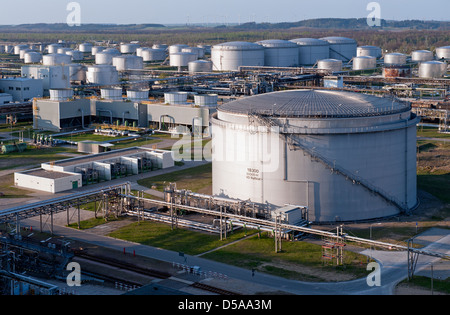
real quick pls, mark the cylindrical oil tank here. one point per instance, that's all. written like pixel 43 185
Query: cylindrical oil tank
pixel 200 66
pixel 422 55
pixel 330 64
pixel 371 51
pixel 208 100
pixel 75 54
pixel 154 54
pixel 102 75
pixel 32 57
pixel 139 51
pixel 137 95
pixel 443 53
pixel 395 59
pixel 77 72
pixel 53 48
pixel 18 48
pixel 128 62
pixel 230 56
pixel 396 71
pixel 86 47
pixel 432 69
pixel 311 50
pixel 114 94
pixel 364 63
pixel 63 50
pixel 173 49
pixel 280 53
pixel 22 52
pixel 206 48
pixel 128 48
pixel 182 59
pixel 194 50
pixel 60 94
pixel 160 46
pixel 345 156
pixel 56 59
pixel 175 98
pixel 106 56
pixel 97 49
pixel 342 48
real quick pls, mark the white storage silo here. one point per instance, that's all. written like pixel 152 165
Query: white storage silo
pixel 160 46
pixel 129 48
pixel 97 49
pixel 200 66
pixel 443 53
pixel 432 69
pixel 114 94
pixel 364 63
pixel 18 48
pixel 194 50
pixel 56 59
pixel 86 47
pixel 174 49
pixel 32 57
pixel 206 48
pixel 128 62
pixel 333 65
pixel 207 100
pixel 395 59
pixel 53 48
pixel 175 98
pixel 154 55
pixel 137 95
pixel 77 72
pixel 75 54
pixel 371 51
pixel 422 55
pixel 230 56
pixel 182 59
pixel 63 50
pixel 60 94
pixel 311 50
pixel 342 48
pixel 106 56
pixel 346 156
pixel 102 75
pixel 280 53
pixel 23 51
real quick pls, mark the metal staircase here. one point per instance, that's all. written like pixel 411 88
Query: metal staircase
pixel 295 143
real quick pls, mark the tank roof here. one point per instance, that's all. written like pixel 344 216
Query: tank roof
pixel 310 42
pixel 238 46
pixel 277 43
pixel 339 40
pixel 315 103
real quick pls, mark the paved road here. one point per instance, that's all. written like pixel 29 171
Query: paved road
pixel 393 265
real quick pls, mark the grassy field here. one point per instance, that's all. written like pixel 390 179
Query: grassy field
pixel 196 179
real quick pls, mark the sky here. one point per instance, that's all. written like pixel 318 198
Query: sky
pixel 214 11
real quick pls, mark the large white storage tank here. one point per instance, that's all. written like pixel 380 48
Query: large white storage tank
pixel 333 65
pixel 422 55
pixel 106 56
pixel 194 50
pixel 128 62
pixel 152 54
pixel 77 72
pixel 174 49
pixel 371 51
pixel 102 75
pixel 182 59
pixel 53 48
pixel 207 100
pixel 346 156
pixel 32 57
pixel 56 59
pixel 200 66
pixel 311 50
pixel 22 53
pixel 97 49
pixel 443 53
pixel 342 48
pixel 395 59
pixel 230 56
pixel 280 53
pixel 75 54
pixel 18 48
pixel 137 95
pixel 86 47
pixel 129 48
pixel 364 63
pixel 432 69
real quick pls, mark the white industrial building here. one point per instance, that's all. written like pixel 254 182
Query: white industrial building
pixel 53 77
pixel 64 175
pixel 22 89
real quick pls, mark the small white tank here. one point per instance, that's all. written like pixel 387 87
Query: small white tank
pixel 128 62
pixel 395 59
pixel 182 59
pixel 60 94
pixel 330 64
pixel 422 55
pixel 200 66
pixel 364 63
pixel 208 100
pixel 153 55
pixel 114 94
pixel 176 98
pixel 32 57
pixel 86 47
pixel 137 95
pixel 56 59
pixel 432 69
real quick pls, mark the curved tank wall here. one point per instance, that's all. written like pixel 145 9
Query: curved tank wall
pixel 102 75
pixel 371 51
pixel 395 59
pixel 32 57
pixel 175 98
pixel 128 62
pixel 432 69
pixel 154 54
pixel 422 55
pixel 443 53
pixel 280 53
pixel 364 63
pixel 77 72
pixel 230 56
pixel 330 64
pixel 200 66
pixel 312 50
pixel 106 56
pixel 56 59
pixel 208 100
pixel 352 156
pixel 182 59
pixel 342 48
pixel 114 94
pixel 86 47
pixel 60 94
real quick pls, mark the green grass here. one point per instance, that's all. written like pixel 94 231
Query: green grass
pixel 180 240
pixel 88 136
pixel 431 132
pixel 194 179
pixel 442 286
pixel 436 183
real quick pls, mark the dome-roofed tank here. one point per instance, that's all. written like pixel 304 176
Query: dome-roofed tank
pixel 312 50
pixel 232 55
pixel 371 51
pixel 341 48
pixel 422 55
pixel 395 59
pixel 280 53
pixel 344 155
pixel 432 69
pixel 330 64
pixel 364 63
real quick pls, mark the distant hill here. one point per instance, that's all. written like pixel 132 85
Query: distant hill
pixel 352 24
pixel 84 28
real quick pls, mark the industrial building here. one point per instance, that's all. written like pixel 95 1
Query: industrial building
pixel 59 176
pixel 22 89
pixel 52 76
pixel 346 156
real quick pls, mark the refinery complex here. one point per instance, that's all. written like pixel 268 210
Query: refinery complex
pixel 328 141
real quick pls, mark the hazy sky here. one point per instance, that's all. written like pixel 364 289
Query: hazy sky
pixel 213 11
